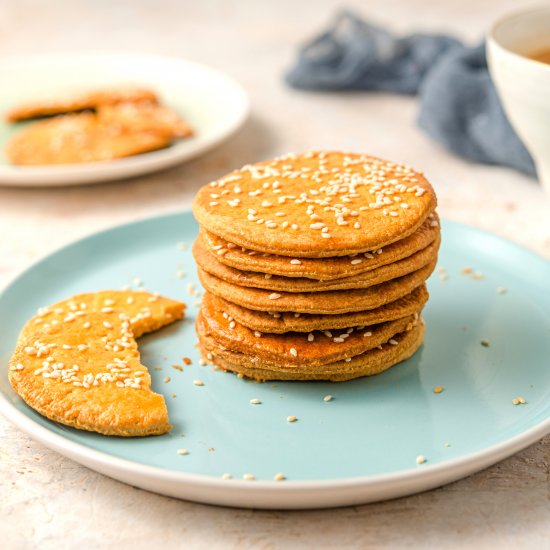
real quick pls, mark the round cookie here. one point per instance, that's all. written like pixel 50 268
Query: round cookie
pixel 328 302
pixel 209 263
pixel 77 362
pixel 317 204
pixel 321 269
pixel 279 323
pixel 367 364
pixel 291 349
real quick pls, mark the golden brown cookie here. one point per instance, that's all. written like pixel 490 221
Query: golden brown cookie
pixel 78 138
pixel 279 323
pixel 372 362
pixel 328 302
pixel 81 102
pixel 296 349
pixel 319 204
pixel 209 263
pixel 77 362
pixel 321 269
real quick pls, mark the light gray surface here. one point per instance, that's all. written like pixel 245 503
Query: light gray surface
pixel 47 499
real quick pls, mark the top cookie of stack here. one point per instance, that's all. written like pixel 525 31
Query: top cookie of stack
pixel 312 242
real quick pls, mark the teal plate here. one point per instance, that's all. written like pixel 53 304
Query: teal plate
pixel 359 447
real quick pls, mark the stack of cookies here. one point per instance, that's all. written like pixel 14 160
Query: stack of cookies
pixel 314 266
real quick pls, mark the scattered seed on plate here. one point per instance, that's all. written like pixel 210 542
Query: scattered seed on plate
pixel 198 382
pixel 420 459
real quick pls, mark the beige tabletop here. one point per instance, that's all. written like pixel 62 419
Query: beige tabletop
pixel 48 501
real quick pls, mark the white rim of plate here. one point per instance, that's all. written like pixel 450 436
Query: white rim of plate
pixel 288 494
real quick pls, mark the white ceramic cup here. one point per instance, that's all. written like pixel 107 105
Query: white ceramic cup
pixel 523 84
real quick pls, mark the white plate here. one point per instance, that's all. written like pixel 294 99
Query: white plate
pixel 215 105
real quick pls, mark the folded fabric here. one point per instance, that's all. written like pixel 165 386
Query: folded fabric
pixel 459 106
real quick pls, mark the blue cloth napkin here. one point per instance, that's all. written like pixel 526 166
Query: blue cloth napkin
pixel 459 106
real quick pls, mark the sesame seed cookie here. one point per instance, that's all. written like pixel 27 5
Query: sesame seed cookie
pixel 279 323
pixel 81 102
pixel 372 362
pixel 296 349
pixel 209 263
pixel 328 302
pixel 321 269
pixel 77 362
pixel 113 132
pixel 316 205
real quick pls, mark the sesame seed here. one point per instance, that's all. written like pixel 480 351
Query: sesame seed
pixel 182 452
pixel 291 418
pixel 274 296
pixel 420 459
pixel 327 398
pixel 255 402
pixel 249 477
pixel 198 382
pixel 293 352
